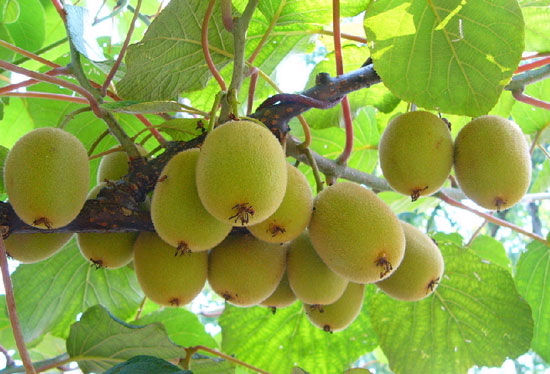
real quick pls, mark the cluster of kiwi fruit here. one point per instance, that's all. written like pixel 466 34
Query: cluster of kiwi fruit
pixel 237 214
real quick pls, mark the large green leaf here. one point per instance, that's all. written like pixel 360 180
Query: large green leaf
pixel 537 28
pixel 533 282
pixel 6 335
pixel 50 294
pixel 475 317
pixel 454 56
pixel 145 365
pixel 530 118
pixel 28 31
pixel 99 341
pixel 182 326
pixel 376 95
pixel 277 342
pixel 169 58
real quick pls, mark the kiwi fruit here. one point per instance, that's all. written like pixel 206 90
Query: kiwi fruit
pixel 115 165
pixel 109 250
pixel 340 314
pixel 419 272
pixel 282 296
pixel 46 174
pixel 34 247
pixel 292 216
pixel 416 153
pixel 355 233
pixel 492 162
pixel 177 212
pixel 310 279
pixel 241 173
pixel 244 270
pixel 164 278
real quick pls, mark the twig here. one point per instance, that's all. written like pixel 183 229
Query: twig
pixel 206 50
pixel 118 61
pixel 63 83
pixel 12 311
pixel 143 18
pixel 227 357
pixel 97 141
pixel 51 96
pixel 251 91
pixel 519 81
pixel 533 65
pixel 476 233
pixel 544 151
pixel 19 61
pixel 535 141
pixel 239 43
pixel 520 96
pixel 29 82
pixel 70 116
pixel 227 17
pixel 267 32
pixel 346 110
pixel 140 309
pixel 491 218
pixel 28 54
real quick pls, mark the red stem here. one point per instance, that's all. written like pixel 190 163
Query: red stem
pixel 28 54
pixel 118 61
pixel 63 83
pixel 520 96
pixel 12 311
pixel 227 357
pixel 151 128
pixel 30 82
pixel 227 17
pixel 491 218
pixel 51 96
pixel 252 91
pixel 346 153
pixel 59 7
pixel 533 65
pixel 205 50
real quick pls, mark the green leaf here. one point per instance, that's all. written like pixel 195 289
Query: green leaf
pixel 537 28
pixel 542 180
pixel 533 282
pixel 79 24
pixel 182 326
pixel 169 58
pixel 277 342
pixel 490 249
pixel 377 95
pixel 475 317
pixel 145 365
pixel 400 203
pixel 50 294
pixel 201 364
pixel 530 118
pixel 183 129
pixel 28 31
pixel 99 340
pixel 448 55
pixel 140 107
pixel 3 154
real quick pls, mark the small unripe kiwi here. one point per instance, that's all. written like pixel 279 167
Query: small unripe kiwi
pixel 164 278
pixel 416 153
pixel 419 272
pixel 492 162
pixel 340 314
pixel 46 175
pixel 177 212
pixel 114 166
pixel 355 233
pixel 109 250
pixel 310 279
pixel 241 173
pixel 30 248
pixel 292 216
pixel 282 296
pixel 244 270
